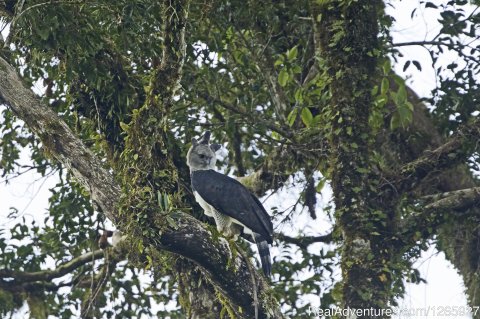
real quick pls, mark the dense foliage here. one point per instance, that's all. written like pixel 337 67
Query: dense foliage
pixel 302 94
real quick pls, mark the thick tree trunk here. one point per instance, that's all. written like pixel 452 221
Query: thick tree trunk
pixel 347 40
pixel 366 217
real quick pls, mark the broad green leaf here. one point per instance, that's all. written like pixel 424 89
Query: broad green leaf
pixel 316 120
pixel 299 95
pixel 401 97
pixel 296 69
pixel 166 202
pixel 385 86
pixel 320 185
pixel 292 53
pixel 307 117
pixel 387 66
pixel 395 121
pixel 171 222
pixel 283 77
pixel 292 116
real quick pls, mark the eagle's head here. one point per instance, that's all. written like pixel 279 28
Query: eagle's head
pixel 201 155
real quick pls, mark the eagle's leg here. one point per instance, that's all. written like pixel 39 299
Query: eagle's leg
pixel 225 225
pixel 235 230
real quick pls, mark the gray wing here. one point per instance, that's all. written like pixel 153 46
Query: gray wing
pixel 230 197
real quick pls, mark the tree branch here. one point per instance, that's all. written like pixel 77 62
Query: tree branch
pixel 305 241
pixel 195 242
pixel 46 275
pixel 456 200
pixel 435 43
pixel 424 223
pixel 444 156
pixel 14 287
pixel 59 140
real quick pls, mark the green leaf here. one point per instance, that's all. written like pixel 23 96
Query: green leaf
pixel 320 185
pixel 283 77
pixel 149 262
pixel 124 126
pixel 238 56
pixel 296 69
pixel 357 189
pixel 230 33
pixel 292 53
pixel 43 33
pixel 398 79
pixel 401 97
pixel 166 202
pixel 362 170
pixel 387 66
pixel 307 117
pixel 385 86
pixel 292 116
pixel 403 116
pixel 405 113
pixel 409 106
pixel 395 121
pixel 171 222
pixel 316 120
pixel 299 95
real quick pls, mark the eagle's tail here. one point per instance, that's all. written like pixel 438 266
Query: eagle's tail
pixel 264 252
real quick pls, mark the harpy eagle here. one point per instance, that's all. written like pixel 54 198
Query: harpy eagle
pixel 235 209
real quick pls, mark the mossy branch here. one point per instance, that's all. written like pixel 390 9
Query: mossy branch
pixel 49 274
pixel 447 155
pixel 456 200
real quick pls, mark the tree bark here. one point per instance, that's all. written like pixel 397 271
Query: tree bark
pixel 347 40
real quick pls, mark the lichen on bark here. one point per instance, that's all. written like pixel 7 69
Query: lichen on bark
pixel 349 46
